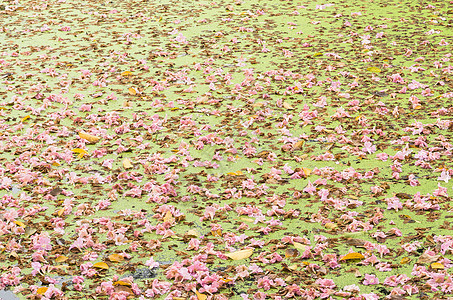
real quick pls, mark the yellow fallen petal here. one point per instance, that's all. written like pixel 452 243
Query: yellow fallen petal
pixel 126 73
pixel 241 254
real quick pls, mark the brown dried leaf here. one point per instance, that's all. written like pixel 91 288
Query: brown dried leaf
pixel 123 288
pixel 427 259
pixel 291 252
pixel 56 191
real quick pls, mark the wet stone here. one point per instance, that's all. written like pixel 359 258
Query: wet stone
pixel 144 274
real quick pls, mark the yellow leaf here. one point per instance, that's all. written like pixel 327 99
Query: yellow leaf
pixel 246 219
pixel 298 145
pixel 127 163
pixel 405 260
pixel 373 70
pixel 352 256
pixel 241 254
pixel 307 171
pixel 132 91
pixel 90 138
pixel 331 226
pixel 126 73
pixel 81 152
pixel 19 223
pixel 101 265
pixel 60 212
pixel 168 217
pixel 418 107
pixel 287 105
pixel 317 54
pixel 122 282
pixel 14 254
pixel 200 296
pixel 56 164
pixel 25 118
pixel 437 266
pixel 235 173
pixel 192 233
pixel 116 257
pixel 174 108
pixel 300 246
pixel 293 267
pixel 61 258
pixel 217 232
pixel 42 290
